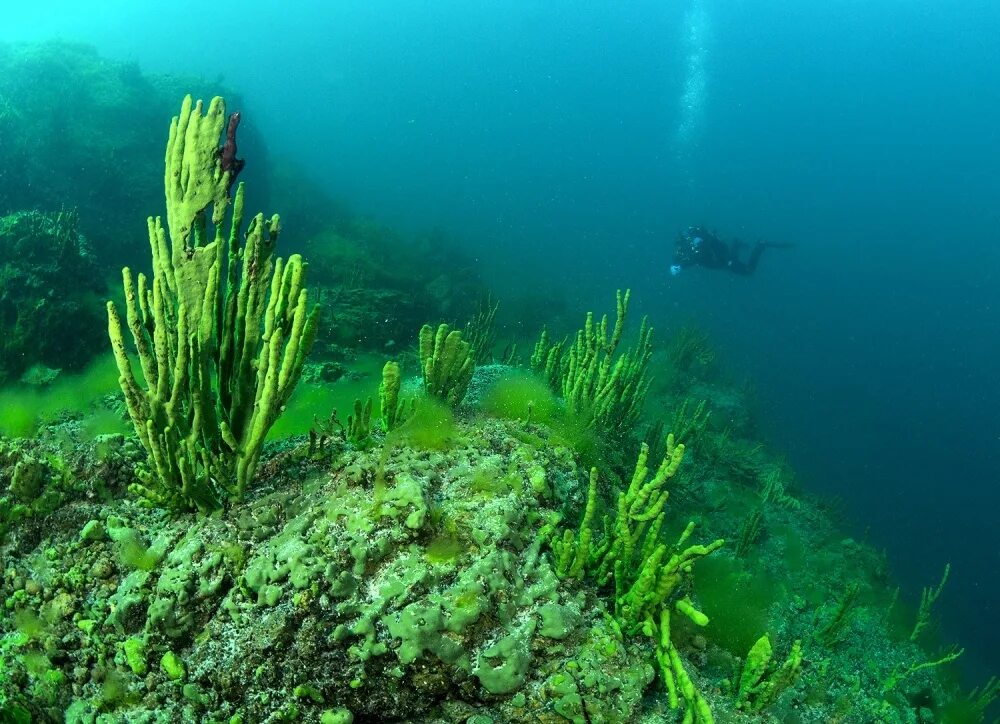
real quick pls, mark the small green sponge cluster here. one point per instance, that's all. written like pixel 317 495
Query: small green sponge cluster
pixel 605 389
pixel 447 362
pixel 762 682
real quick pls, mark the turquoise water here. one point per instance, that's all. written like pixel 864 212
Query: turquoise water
pixel 563 147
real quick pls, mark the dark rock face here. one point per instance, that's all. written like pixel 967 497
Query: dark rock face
pixel 50 295
pixel 78 131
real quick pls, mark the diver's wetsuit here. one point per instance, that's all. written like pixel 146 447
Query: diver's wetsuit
pixel 698 246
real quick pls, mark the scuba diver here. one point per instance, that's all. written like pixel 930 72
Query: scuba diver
pixel 697 246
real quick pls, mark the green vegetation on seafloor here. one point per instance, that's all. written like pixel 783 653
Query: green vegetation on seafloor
pixel 26 407
pixel 520 395
pixel 487 544
pixel 314 401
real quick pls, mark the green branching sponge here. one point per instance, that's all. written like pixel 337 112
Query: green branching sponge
pixel 480 332
pixel 691 422
pixel 447 362
pixel 648 574
pixel 572 551
pixel 927 600
pixel 902 672
pixel 761 682
pixel 604 388
pixel 676 678
pixel 831 632
pixel 646 571
pixel 221 329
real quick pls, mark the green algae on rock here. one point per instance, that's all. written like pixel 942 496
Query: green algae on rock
pixel 409 583
pixel 328 588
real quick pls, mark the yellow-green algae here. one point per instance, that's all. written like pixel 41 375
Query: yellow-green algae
pixel 313 402
pixel 519 395
pixel 24 408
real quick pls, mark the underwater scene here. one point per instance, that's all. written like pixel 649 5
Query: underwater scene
pixel 486 362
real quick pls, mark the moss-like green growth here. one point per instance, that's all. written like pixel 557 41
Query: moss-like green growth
pixel 28 625
pixel 14 712
pixel 430 427
pixel 971 709
pixel 134 554
pixel 795 556
pixel 520 396
pixel 574 432
pixel 20 416
pixel 103 422
pixel 24 408
pixel 489 480
pixel 736 601
pixel 444 549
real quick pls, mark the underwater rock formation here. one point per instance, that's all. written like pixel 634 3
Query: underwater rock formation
pixel 494 545
pixel 82 132
pixel 49 294
pixel 377 287
pixel 401 584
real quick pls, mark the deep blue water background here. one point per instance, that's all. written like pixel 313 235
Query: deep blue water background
pixel 578 138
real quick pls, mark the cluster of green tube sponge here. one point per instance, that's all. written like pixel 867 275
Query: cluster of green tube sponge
pixel 762 681
pixel 447 362
pixel 646 573
pixel 221 329
pixel 605 389
pixel 392 410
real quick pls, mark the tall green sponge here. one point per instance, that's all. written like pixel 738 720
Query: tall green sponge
pixel 221 329
pixel 447 362
pixel 393 410
pixel 602 387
